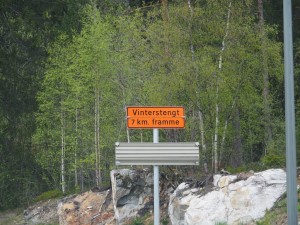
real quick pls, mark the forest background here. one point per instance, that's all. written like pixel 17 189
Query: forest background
pixel 69 68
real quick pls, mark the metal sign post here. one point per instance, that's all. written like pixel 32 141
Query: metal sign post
pixel 179 153
pixel 292 198
pixel 156 182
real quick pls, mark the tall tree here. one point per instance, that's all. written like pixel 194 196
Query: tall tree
pixel 265 74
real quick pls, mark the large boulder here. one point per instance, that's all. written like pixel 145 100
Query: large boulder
pixel 234 199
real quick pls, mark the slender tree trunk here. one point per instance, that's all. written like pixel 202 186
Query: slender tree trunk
pixel 215 145
pixel 265 71
pixel 212 155
pixel 76 148
pixel 81 179
pixel 128 135
pixel 165 16
pixel 124 106
pixel 63 144
pixel 192 49
pixel 223 143
pixel 201 123
pixel 203 144
pixel 97 139
pixel 224 134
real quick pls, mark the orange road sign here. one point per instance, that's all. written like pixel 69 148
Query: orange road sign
pixel 155 117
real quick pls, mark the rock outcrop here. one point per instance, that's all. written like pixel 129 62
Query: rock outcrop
pixel 87 208
pixel 233 199
pixel 44 212
pixel 132 193
pixel 131 196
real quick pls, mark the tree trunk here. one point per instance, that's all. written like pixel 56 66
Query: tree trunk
pixel 190 29
pixel 215 145
pixel 76 148
pixel 128 135
pixel 63 144
pixel 265 71
pixel 201 123
pixel 97 139
pixel 223 143
pixel 224 135
pixel 165 16
pixel 203 145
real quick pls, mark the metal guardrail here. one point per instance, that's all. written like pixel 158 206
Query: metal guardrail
pixel 164 153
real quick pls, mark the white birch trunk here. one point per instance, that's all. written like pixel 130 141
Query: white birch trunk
pixel 63 184
pixel 224 135
pixel 96 138
pixel 76 146
pixel 215 144
pixel 128 135
pixel 212 155
pixel 191 18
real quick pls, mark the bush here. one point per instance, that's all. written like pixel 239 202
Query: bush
pixel 274 159
pixel 137 221
pixel 255 166
pixel 48 195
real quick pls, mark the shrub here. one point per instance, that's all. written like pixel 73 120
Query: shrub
pixel 274 159
pixel 48 195
pixel 137 221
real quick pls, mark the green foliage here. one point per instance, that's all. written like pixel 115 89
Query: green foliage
pixel 272 160
pixel 255 166
pixel 137 221
pixel 26 30
pixel 48 195
pixel 165 221
pixel 57 59
pixel 77 70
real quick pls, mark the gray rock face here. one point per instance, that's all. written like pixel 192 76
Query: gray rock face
pixel 232 200
pixel 131 193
